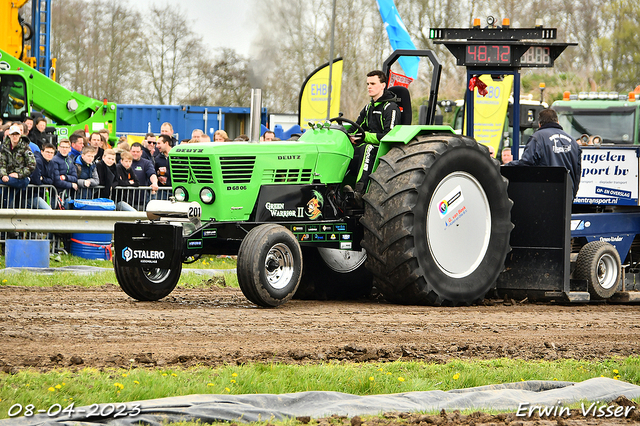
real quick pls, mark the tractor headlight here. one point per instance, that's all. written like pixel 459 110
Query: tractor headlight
pixel 181 194
pixel 206 195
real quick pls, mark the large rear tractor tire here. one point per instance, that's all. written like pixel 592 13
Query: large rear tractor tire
pixel 269 265
pixel 437 221
pixel 333 274
pixel 148 284
pixel 599 264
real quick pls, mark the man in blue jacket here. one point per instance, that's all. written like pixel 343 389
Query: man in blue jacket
pixel 552 146
pixel 65 176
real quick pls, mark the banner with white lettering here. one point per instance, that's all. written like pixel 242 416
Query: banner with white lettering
pixel 314 94
pixel 609 176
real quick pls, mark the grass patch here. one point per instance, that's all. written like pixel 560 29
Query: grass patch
pixel 89 386
pixel 188 280
pixel 205 262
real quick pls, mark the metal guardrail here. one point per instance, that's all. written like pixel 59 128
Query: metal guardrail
pixel 41 209
pixel 64 221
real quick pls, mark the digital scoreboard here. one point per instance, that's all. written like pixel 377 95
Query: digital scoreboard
pixel 492 54
pixel 501 47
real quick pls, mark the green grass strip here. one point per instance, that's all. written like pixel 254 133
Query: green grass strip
pixel 187 280
pixel 89 386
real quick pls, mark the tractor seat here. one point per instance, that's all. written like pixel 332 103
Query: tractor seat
pixel 403 99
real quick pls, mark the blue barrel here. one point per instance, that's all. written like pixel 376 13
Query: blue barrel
pixel 91 246
pixel 95 204
pixel 26 253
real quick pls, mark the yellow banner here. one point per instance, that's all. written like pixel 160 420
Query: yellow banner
pixel 490 111
pixel 315 91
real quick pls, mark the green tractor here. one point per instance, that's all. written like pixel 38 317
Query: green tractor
pixel 434 228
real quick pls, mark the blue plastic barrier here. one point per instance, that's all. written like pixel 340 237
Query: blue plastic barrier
pixel 27 253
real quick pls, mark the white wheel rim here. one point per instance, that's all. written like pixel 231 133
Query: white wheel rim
pixel 607 271
pixel 458 224
pixel 279 266
pixel 342 261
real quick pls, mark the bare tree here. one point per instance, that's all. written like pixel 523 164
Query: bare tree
pixel 68 28
pixel 94 43
pixel 170 54
pixel 223 81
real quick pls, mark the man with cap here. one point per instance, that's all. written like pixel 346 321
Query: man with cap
pixel 16 159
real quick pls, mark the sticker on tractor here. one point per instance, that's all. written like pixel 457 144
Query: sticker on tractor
pixel 279 210
pixel 450 202
pixel 145 256
pixel 314 206
pixel 192 244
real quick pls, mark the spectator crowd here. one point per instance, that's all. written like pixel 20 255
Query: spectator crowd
pixel 80 167
pixel 34 161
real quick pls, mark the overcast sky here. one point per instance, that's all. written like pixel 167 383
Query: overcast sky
pixel 221 23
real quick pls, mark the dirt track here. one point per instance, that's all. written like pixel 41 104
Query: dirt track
pixel 101 326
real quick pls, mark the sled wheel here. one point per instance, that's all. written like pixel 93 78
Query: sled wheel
pixel 148 284
pixel 333 274
pixel 269 265
pixel 599 263
pixel 437 221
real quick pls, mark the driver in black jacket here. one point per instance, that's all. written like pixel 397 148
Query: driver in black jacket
pixel 377 118
pixel 552 146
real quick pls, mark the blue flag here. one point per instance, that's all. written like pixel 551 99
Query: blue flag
pixel 398 36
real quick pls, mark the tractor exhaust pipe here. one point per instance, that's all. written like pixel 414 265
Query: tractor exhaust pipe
pixel 256 112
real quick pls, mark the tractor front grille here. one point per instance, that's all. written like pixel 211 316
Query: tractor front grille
pixel 237 170
pixel 191 169
pixel 287 175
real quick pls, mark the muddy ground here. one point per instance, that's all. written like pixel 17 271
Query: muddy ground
pixel 44 328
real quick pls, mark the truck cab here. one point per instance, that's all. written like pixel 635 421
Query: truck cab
pixel 609 117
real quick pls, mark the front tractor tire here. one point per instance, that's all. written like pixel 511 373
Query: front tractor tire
pixel 269 265
pixel 148 284
pixel 437 222
pixel 599 264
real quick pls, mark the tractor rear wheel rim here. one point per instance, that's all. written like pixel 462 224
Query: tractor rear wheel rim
pixel 342 261
pixel 458 224
pixel 279 266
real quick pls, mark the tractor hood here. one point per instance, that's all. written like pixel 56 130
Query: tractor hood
pixel 236 171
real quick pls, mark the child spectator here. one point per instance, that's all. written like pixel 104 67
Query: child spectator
pixel 47 170
pixel 42 175
pixel 125 177
pixel 87 173
pixel 65 175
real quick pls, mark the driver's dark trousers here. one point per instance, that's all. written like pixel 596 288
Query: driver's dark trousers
pixel 361 165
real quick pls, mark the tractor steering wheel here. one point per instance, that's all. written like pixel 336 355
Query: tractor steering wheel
pixel 358 134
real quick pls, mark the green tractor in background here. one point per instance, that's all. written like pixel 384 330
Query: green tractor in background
pixel 434 229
